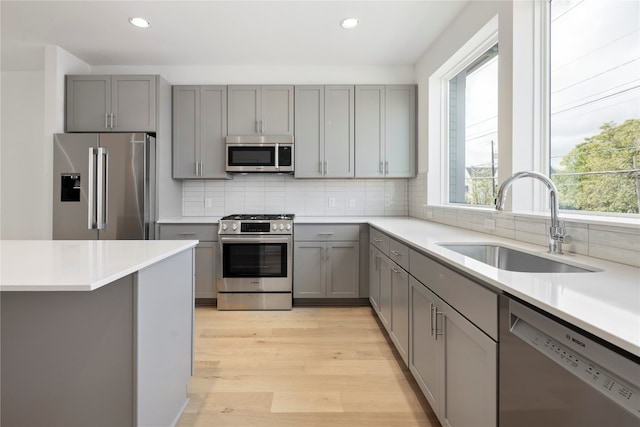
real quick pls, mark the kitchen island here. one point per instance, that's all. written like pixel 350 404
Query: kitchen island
pixel 95 332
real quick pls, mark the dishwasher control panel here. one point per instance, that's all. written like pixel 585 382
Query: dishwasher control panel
pixel 601 379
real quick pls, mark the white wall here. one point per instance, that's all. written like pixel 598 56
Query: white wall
pixel 23 190
pixel 32 111
pixel 402 74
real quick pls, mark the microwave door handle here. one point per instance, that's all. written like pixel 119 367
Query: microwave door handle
pixel 277 165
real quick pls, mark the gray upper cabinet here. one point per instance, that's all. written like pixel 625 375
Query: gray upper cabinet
pixel 119 103
pixel 324 123
pixel 199 130
pixel 260 110
pixel 385 131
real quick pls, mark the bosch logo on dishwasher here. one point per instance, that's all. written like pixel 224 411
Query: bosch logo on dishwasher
pixel 575 341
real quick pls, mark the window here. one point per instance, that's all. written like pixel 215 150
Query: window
pixel 473 131
pixel 595 104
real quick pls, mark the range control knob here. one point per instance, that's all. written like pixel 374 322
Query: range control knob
pixel 234 227
pixel 281 226
pixel 275 227
pixel 225 226
pixel 288 226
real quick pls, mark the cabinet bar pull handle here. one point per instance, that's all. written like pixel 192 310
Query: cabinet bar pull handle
pixel 378 259
pixel 377 240
pixel 438 313
pixel 381 167
pixel 395 270
pixel 326 168
pixel 386 168
pixel 106 120
pixel 431 317
pixel 326 233
pixel 196 168
pixel 396 253
pixel 321 166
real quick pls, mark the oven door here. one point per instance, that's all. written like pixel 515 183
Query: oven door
pixel 255 264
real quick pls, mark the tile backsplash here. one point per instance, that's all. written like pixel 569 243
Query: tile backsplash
pixel 269 193
pixel 619 243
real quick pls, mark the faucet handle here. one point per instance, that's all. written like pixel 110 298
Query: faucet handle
pixel 559 233
pixel 565 239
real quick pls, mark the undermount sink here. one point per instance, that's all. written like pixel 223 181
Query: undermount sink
pixel 506 258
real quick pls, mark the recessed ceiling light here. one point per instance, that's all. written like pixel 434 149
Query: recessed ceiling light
pixel 140 22
pixel 349 23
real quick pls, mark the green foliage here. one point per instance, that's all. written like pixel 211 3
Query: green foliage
pixel 613 149
pixel 481 186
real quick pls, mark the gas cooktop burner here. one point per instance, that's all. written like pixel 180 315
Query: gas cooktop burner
pixel 261 217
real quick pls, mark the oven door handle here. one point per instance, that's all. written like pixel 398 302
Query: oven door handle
pixel 239 239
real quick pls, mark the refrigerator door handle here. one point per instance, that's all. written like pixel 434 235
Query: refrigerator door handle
pixel 92 212
pixel 103 190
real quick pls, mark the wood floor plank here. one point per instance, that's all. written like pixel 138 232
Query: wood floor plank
pixel 311 366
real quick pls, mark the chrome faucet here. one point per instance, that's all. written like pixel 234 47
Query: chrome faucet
pixel 557 232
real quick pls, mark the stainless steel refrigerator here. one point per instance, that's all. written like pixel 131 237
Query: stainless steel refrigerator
pixel 104 186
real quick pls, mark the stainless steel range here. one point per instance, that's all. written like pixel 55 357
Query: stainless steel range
pixel 256 262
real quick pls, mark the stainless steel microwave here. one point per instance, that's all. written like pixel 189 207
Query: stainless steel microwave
pixel 259 153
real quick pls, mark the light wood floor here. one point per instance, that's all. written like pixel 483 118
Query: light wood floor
pixel 312 366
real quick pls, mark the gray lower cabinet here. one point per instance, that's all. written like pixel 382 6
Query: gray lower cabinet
pixel 374 277
pixel 389 287
pixel 326 261
pixel 111 103
pixel 199 131
pixel 453 360
pixel 324 131
pixel 260 110
pixel 424 358
pixel 206 253
pixel 400 310
pixel 326 270
pixel 385 135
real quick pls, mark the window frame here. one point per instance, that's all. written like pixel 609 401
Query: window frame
pixel 485 57
pixel 481 42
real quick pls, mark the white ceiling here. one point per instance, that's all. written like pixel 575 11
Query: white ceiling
pixel 235 32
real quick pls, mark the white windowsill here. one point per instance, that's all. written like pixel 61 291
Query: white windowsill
pixel 607 220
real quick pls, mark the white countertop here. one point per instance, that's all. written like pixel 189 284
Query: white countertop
pixel 190 220
pixel 604 303
pixel 78 265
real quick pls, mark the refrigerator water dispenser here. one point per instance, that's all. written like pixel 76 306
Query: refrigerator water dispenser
pixel 70 188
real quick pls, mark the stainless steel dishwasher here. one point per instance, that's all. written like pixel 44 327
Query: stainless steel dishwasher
pixel 553 374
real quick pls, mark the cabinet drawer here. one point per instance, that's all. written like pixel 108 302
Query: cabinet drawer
pixel 475 302
pixel 202 232
pixel 329 232
pixel 399 253
pixel 379 240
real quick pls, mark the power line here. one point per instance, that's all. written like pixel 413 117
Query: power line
pixel 596 100
pixel 597 93
pixel 595 75
pixel 567 11
pixel 611 150
pixel 594 50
